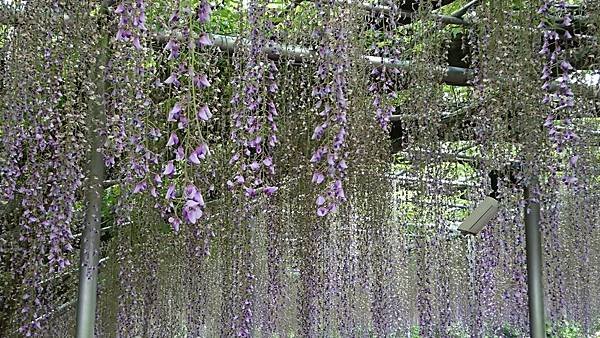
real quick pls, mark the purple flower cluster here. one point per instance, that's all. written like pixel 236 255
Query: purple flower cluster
pixel 554 245
pixel 41 157
pixel 383 92
pixel 187 151
pixel 382 79
pixel 245 328
pixel 254 127
pixel 132 19
pixel 561 100
pixel 129 108
pixel 332 105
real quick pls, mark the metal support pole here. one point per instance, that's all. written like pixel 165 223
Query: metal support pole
pixel 90 238
pixel 90 253
pixel 533 243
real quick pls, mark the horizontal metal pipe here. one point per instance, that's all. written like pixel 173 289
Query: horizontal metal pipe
pixel 450 75
pixel 463 10
pixel 386 10
pixel 458 184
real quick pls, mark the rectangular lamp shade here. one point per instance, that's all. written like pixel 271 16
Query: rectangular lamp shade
pixel 479 217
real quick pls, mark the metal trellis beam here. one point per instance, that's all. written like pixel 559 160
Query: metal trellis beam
pixel 450 75
pixel 463 10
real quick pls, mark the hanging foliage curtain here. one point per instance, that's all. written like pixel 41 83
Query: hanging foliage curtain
pixel 297 168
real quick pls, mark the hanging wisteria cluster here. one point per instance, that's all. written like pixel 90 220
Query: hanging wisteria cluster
pixel 332 105
pixel 297 168
pixel 559 94
pixel 254 125
pixel 44 147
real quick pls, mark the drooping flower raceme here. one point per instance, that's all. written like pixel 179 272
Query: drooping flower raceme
pixel 184 175
pixel 42 154
pixel 253 124
pixel 332 105
pixel 382 87
pixel 383 93
pixel 132 22
pixel 558 94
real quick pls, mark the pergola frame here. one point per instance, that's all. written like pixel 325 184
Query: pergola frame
pixel 457 76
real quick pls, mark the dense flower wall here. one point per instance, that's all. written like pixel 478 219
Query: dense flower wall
pixel 297 168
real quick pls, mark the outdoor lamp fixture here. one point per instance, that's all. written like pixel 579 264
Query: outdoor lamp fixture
pixel 484 212
pixel 480 216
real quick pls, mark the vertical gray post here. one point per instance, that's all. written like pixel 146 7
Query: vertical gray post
pixel 90 249
pixel 90 239
pixel 533 243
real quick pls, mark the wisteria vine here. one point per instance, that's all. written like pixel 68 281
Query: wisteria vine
pixel 251 185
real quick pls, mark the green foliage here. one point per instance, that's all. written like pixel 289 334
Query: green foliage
pixel 415 332
pixel 565 330
pixel 296 17
pixel 453 7
pixel 109 201
pixel 457 330
pixel 3 31
pixel 509 331
pixel 226 18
